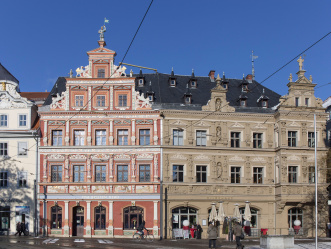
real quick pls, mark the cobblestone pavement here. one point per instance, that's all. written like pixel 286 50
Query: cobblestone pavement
pixel 12 242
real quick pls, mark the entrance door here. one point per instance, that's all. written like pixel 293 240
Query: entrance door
pixel 78 222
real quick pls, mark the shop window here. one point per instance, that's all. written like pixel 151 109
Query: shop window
pixel 3 179
pixel 235 174
pixel 4 218
pixel 133 217
pixel 144 173
pixel 201 172
pixel 56 216
pixel 178 137
pixel 292 138
pixel 3 120
pixel 3 149
pixel 177 173
pixel 57 137
pixel 100 173
pixel 100 217
pixel 100 137
pixel 122 173
pixel 294 214
pixel 144 137
pixel 183 213
pixel 22 120
pixel 79 173
pixel 56 174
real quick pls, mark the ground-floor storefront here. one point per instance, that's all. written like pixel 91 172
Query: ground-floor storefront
pixel 98 216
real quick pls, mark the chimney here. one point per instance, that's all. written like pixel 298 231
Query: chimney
pixel 212 75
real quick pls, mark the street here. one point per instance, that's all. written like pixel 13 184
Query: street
pixel 13 242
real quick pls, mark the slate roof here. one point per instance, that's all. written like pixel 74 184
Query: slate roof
pixel 167 97
pixel 6 75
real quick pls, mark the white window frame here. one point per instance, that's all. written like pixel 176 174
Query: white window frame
pixel 3 123
pixel 4 149
pixel 19 120
pixel 22 149
pixel 81 137
pixel 2 180
pixel 202 139
pixel 24 176
pixel 79 100
pixel 101 101
pixel 101 138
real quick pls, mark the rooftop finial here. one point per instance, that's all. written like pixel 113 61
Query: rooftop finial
pixel 253 70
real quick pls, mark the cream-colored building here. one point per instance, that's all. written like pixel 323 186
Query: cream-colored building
pixel 243 149
pixel 18 156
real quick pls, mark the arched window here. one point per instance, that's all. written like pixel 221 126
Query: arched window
pixel 183 213
pixel 133 217
pixel 56 216
pixel 254 218
pixel 294 214
pixel 100 217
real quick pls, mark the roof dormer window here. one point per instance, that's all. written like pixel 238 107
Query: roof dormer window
pixel 188 99
pixel 265 103
pixel 243 102
pixel 151 97
pixel 140 82
pixel 193 84
pixel 244 88
pixel 173 82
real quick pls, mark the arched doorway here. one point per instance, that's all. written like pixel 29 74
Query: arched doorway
pixel 183 213
pixel 78 222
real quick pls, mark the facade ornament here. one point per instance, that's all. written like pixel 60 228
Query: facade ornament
pixel 311 78
pixel 290 78
pixel 300 60
pixel 101 32
pixel 3 86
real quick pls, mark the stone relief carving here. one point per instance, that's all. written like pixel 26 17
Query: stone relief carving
pixel 58 101
pixel 77 157
pixel 142 102
pixel 7 102
pixel 178 156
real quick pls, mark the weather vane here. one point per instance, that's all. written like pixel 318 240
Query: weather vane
pixel 103 30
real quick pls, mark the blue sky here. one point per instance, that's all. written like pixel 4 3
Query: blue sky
pixel 42 40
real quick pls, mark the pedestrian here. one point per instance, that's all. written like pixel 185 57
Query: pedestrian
pixel 199 231
pixel 212 235
pixel 22 228
pixel 237 231
pixel 18 228
pixel 192 230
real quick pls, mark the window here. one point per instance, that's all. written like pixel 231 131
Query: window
pixel 100 173
pixel 292 138
pixel 22 179
pixel 3 120
pixel 311 139
pixel 184 213
pixel 79 173
pixel 235 174
pixel 292 174
pixel 22 148
pixel 101 100
pixel 144 173
pixel 57 137
pixel 201 173
pixel 177 173
pixel 122 173
pixel 243 102
pixel 100 137
pixel 141 82
pixel 22 120
pixel 122 100
pixel 258 175
pixel 264 103
pixel 56 174
pixel 254 219
pixel 244 88
pixel 144 137
pixel 294 214
pixel 56 214
pixel 79 137
pixel 201 138
pixel 311 176
pixel 307 102
pixel 79 100
pixel 193 84
pixel 3 149
pixel 133 217
pixel 100 217
pixel 172 82
pixel 150 97
pixel 257 140
pixel 235 139
pixel 101 73
pixel 178 137
pixel 188 100
pixel 297 102
pixel 3 179
pixel 122 137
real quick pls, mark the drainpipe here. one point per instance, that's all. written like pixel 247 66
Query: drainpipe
pixel 161 183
